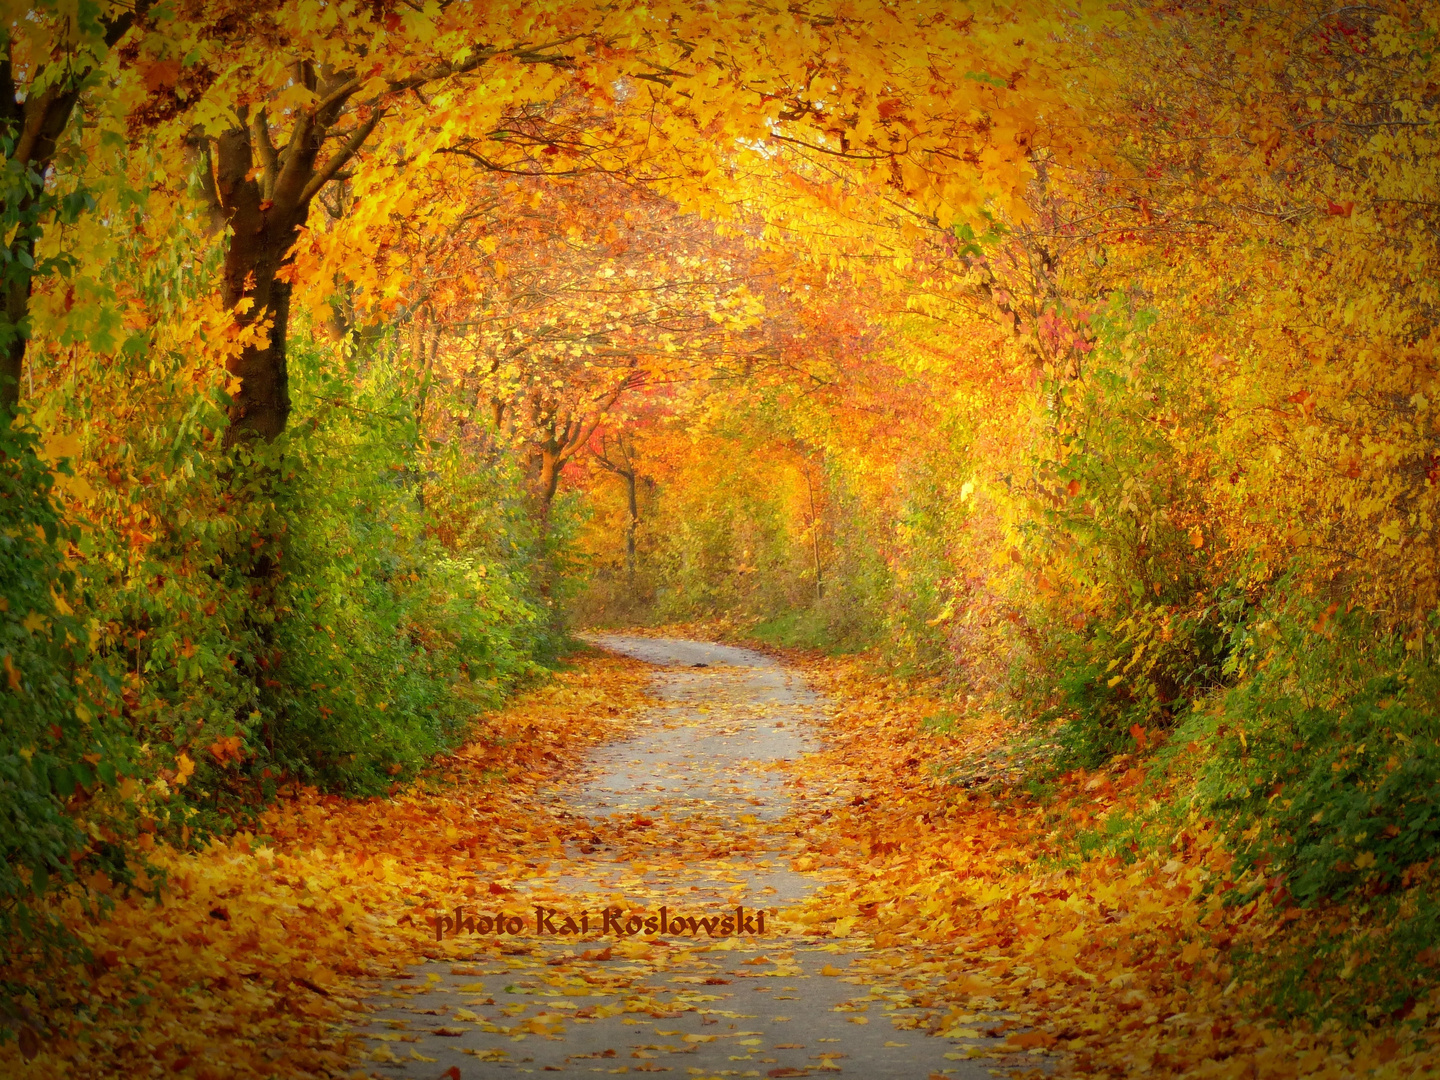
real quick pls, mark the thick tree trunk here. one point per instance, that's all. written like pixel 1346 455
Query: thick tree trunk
pixel 264 194
pixel 12 357
pixel 36 125
pixel 263 232
pixel 547 483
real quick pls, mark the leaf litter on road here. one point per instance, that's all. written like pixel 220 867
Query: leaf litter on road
pixel 307 947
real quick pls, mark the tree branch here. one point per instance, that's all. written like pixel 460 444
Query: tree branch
pixel 341 157
pixel 269 158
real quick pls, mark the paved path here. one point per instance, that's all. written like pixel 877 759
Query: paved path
pixel 688 815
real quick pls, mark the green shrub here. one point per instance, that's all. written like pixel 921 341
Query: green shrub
pixel 58 740
pixel 1322 766
pixel 389 645
pixel 1327 755
pixel 1142 672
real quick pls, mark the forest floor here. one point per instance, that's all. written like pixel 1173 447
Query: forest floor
pixel 922 918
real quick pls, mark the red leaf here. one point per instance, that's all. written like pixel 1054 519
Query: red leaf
pixel 162 75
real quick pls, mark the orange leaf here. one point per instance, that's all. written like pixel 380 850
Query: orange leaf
pixel 1032 1038
pixel 162 75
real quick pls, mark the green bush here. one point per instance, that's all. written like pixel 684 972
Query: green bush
pixel 1322 766
pixel 1141 672
pixel 58 739
pixel 302 617
pixel 1327 755
pixel 388 644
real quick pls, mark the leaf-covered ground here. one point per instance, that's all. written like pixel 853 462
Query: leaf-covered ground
pixel 262 943
pixel 909 907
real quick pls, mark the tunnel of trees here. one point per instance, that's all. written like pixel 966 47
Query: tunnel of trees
pixel 1074 364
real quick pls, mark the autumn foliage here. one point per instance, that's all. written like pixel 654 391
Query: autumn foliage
pixel 1078 361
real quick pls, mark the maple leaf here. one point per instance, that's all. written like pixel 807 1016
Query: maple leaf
pixel 162 75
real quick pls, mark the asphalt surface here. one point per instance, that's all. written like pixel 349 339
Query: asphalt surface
pixel 710 767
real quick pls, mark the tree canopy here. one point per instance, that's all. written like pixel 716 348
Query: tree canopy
pixel 1079 357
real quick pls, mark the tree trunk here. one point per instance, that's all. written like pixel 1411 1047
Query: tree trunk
pixel 12 356
pixel 631 526
pixel 263 234
pixel 815 536
pixel 547 482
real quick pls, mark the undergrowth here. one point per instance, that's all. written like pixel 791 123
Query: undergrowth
pixel 1320 764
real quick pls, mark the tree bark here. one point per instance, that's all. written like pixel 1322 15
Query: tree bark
pixel 266 203
pixel 815 536
pixel 631 527
pixel 547 483
pixel 263 233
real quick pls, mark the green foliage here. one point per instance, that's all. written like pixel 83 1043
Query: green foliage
pixel 27 204
pixel 1370 963
pixel 387 643
pixel 1113 511
pixel 1321 763
pixel 57 742
pixel 1111 496
pixel 857 579
pixel 1138 673
pixel 803 629
pixel 914 611
pixel 1326 759
pixel 302 617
